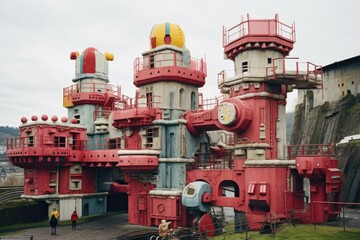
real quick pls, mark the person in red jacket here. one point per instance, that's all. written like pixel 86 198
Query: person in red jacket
pixel 74 218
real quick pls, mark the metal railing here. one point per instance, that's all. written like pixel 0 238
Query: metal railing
pixel 259 27
pixel 158 60
pixel 91 88
pixel 210 103
pixel 288 66
pixel 311 150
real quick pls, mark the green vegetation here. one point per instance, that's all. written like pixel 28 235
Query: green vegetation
pixel 306 232
pixel 22 211
pixel 7 132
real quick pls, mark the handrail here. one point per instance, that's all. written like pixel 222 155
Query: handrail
pixel 68 143
pixel 91 88
pixel 259 27
pixel 152 101
pixel 312 150
pixel 158 60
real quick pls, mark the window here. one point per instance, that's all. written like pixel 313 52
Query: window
pixel 152 60
pixel 244 66
pixel 262 190
pixel 151 133
pixel 181 98
pixel 193 101
pixel 59 141
pixel 251 188
pixel 75 184
pixel 269 60
pixel 30 141
pixel 149 99
pixel 114 143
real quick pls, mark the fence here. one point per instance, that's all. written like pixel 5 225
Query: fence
pixel 242 228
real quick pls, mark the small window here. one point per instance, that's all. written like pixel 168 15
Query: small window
pixel 251 188
pixel 114 143
pixel 244 66
pixel 59 141
pixel 149 99
pixel 181 98
pixel 150 134
pixel 30 141
pixel 152 60
pixel 75 185
pixel 76 111
pixel 193 101
pixel 269 60
pixel 262 189
pixel 352 82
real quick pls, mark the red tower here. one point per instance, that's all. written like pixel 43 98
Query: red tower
pixel 263 177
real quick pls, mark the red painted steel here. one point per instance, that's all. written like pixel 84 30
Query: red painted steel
pixel 252 161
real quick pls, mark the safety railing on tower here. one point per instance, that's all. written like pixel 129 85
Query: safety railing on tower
pixel 312 150
pixel 289 67
pixel 94 87
pixel 147 101
pixel 158 60
pixel 259 27
pixel 210 103
pixel 60 142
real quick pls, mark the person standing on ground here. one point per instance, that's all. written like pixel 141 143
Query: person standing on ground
pixel 53 224
pixel 55 212
pixel 74 218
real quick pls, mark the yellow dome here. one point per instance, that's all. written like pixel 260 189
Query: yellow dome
pixel 167 33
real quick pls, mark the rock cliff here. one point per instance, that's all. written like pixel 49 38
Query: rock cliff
pixel 329 123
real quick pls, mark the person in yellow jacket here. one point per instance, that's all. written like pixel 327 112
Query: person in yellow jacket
pixel 164 228
pixel 55 212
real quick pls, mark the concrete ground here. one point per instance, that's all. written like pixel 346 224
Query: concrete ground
pixel 106 227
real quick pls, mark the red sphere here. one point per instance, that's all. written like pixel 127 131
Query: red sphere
pixel 24 120
pixel 44 117
pixel 34 118
pixel 64 119
pixel 74 121
pixel 54 118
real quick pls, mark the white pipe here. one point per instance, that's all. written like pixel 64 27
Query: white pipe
pixel 138 152
pixel 176 160
pixel 57 196
pixel 175 192
pixel 169 122
pixel 269 162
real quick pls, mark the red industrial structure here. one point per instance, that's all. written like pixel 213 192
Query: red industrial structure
pixel 174 155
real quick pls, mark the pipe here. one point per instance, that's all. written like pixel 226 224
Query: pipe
pixel 118 188
pixel 169 122
pixel 269 162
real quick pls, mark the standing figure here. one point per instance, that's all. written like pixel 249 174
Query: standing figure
pixel 53 224
pixel 74 218
pixel 55 212
pixel 164 228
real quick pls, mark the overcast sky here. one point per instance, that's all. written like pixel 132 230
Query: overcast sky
pixel 37 36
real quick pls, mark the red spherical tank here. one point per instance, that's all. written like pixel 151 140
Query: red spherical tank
pixel 34 118
pixel 64 119
pixel 24 120
pixel 44 117
pixel 54 118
